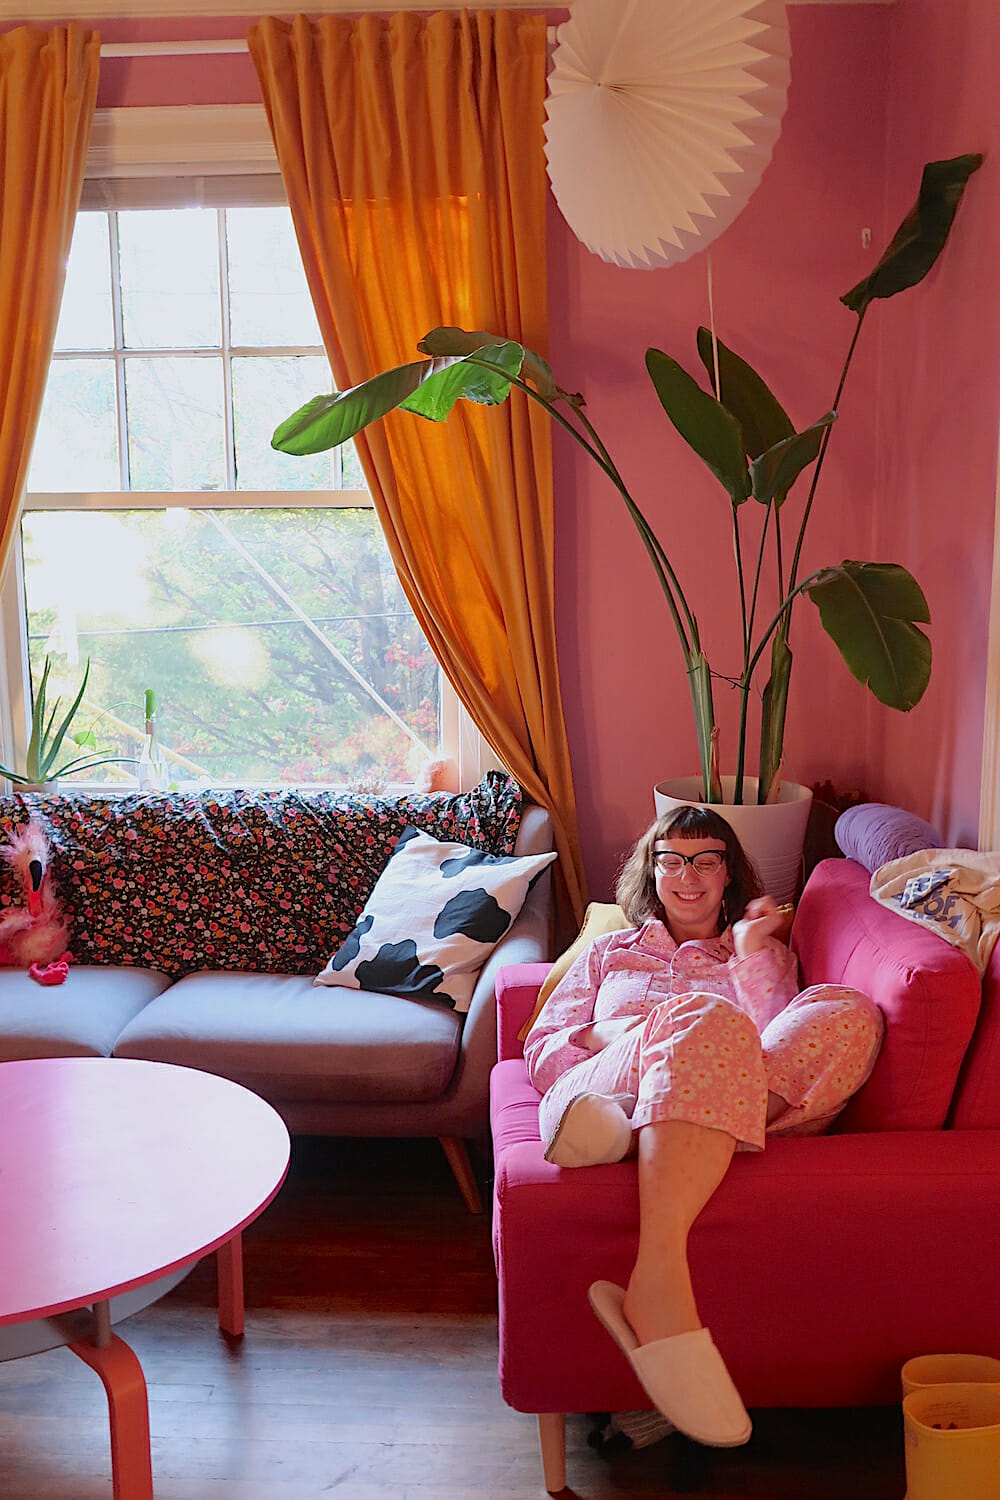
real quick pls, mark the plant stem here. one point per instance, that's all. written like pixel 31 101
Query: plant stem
pixel 786 605
pixel 744 681
pixel 599 455
pixel 785 608
pixel 822 453
pixel 741 741
pixel 698 670
pixel 612 471
pixel 739 573
pixel 756 579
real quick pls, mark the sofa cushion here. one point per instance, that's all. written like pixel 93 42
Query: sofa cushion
pixel 80 1018
pixel 280 1036
pixel 598 919
pixel 245 880
pixel 437 912
pixel 875 833
pixel 928 992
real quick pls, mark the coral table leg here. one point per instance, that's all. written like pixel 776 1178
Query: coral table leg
pixel 229 1266
pixel 131 1468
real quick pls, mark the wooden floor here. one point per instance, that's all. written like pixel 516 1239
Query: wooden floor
pixel 368 1371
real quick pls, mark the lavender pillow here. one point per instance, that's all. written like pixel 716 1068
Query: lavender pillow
pixel 873 833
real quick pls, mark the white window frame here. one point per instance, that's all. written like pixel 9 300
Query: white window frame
pixel 195 142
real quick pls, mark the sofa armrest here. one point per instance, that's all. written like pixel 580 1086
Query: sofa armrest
pixel 516 990
pixel 534 834
pixel 528 942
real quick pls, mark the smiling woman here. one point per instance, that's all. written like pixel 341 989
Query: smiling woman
pixel 691 878
pixel 679 1041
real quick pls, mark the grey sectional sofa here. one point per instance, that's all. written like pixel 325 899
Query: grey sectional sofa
pixel 331 1061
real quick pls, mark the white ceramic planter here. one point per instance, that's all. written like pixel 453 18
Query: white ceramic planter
pixel 773 835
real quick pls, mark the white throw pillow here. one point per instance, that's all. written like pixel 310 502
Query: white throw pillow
pixel 432 920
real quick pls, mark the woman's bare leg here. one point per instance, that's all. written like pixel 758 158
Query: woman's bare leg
pixel 680 1166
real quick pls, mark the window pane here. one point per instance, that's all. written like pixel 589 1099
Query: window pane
pixel 352 475
pixel 85 317
pixel 76 446
pixel 170 278
pixel 269 302
pixel 175 423
pixel 277 642
pixel 266 390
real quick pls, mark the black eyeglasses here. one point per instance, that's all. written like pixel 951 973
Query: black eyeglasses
pixel 707 862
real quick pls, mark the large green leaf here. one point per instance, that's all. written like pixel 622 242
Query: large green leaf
pixel 50 747
pixel 869 610
pixel 326 421
pixel 775 471
pixel 703 423
pixel 921 237
pixel 35 743
pixel 462 380
pixel 443 341
pixel 742 391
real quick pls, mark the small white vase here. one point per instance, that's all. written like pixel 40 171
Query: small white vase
pixel 773 835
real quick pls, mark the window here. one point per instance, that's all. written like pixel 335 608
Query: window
pixel 166 542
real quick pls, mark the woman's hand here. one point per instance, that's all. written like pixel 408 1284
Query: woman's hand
pixel 602 1033
pixel 763 919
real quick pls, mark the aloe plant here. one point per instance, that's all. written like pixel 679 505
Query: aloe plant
pixel 46 741
pixel 872 611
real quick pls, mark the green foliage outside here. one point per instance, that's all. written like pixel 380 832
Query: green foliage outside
pixel 246 691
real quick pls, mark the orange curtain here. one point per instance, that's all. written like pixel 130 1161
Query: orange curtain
pixel 411 151
pixel 48 89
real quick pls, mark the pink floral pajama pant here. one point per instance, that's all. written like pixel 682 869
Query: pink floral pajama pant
pixel 699 1058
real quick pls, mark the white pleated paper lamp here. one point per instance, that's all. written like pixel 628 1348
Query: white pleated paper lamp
pixel 660 119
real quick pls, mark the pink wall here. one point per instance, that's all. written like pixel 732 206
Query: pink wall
pixel 910 476
pixel 778 273
pixel 207 79
pixel 938 433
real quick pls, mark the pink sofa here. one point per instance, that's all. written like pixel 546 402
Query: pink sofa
pixel 820 1265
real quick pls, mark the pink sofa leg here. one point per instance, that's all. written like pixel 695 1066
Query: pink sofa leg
pixel 457 1153
pixel 552 1441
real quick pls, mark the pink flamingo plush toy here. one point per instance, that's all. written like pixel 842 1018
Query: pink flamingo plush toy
pixel 34 936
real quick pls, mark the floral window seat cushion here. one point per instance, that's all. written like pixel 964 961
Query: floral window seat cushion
pixel 242 880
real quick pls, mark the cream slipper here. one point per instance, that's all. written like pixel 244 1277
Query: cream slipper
pixel 683 1376
pixel 591 1131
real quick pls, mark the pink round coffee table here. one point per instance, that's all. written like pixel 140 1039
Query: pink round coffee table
pixel 115 1177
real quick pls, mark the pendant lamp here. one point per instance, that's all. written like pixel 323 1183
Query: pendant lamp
pixel 661 116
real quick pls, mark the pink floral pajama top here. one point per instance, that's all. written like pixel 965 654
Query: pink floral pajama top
pixel 737 1029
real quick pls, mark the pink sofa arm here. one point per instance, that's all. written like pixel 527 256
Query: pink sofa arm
pixel 517 988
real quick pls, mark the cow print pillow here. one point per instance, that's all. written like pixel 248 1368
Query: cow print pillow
pixel 432 920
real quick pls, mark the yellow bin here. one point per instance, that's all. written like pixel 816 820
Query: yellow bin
pixel 950 1369
pixel 952 1442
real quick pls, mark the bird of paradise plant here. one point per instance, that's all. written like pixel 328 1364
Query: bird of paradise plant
pixel 871 610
